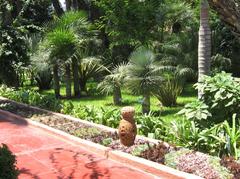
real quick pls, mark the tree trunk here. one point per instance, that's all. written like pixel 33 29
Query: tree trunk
pixel 56 81
pixel 68 4
pixel 82 5
pixel 75 5
pixel 68 81
pixel 82 83
pixel 204 46
pixel 229 13
pixel 117 96
pixel 146 103
pixel 75 77
pixel 58 8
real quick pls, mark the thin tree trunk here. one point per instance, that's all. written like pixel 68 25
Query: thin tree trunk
pixel 68 5
pixel 82 5
pixel 146 103
pixel 56 81
pixel 75 5
pixel 82 83
pixel 117 96
pixel 204 46
pixel 68 81
pixel 75 77
pixel 58 8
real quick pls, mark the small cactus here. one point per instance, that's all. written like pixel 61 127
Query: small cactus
pixel 127 130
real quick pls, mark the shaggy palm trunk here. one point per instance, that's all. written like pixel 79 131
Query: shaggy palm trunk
pixel 75 78
pixel 204 46
pixel 56 81
pixel 68 81
pixel 146 103
pixel 117 96
pixel 82 83
pixel 58 8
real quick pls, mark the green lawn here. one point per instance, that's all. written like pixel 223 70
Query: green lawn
pixel 167 113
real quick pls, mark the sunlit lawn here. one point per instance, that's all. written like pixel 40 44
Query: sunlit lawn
pixel 167 113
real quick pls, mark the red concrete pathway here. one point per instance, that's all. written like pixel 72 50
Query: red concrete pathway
pixel 42 155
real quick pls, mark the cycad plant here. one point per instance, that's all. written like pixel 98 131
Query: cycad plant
pixel 112 83
pixel 172 86
pixel 88 67
pixel 144 75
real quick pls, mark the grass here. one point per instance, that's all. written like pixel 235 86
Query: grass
pixel 167 113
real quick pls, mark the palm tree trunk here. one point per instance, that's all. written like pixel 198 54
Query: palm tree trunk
pixel 75 77
pixel 117 96
pixel 68 81
pixel 56 81
pixel 58 8
pixel 82 83
pixel 204 46
pixel 68 4
pixel 146 103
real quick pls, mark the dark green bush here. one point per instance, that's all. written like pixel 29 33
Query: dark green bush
pixel 8 169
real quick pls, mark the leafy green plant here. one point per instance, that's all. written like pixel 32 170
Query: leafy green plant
pixel 222 94
pixel 32 98
pixel 8 169
pixel 105 116
pixel 149 126
pixel 67 108
pixel 196 110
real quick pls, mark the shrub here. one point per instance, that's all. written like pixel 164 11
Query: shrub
pixel 196 110
pixel 168 92
pixel 149 126
pixel 8 169
pixel 222 94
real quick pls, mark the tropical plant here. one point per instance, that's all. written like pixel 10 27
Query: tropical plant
pixel 63 38
pixel 150 126
pixel 196 111
pixel 113 82
pixel 143 75
pixel 221 94
pixel 220 63
pixel 8 168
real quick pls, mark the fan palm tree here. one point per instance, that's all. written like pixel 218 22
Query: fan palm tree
pixel 62 43
pixel 112 83
pixel 63 38
pixel 143 75
pixel 204 46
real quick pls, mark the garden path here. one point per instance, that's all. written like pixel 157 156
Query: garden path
pixel 43 155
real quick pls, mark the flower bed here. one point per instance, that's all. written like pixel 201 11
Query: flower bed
pixel 182 159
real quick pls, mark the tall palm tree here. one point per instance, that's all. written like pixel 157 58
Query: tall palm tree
pixel 143 75
pixel 204 46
